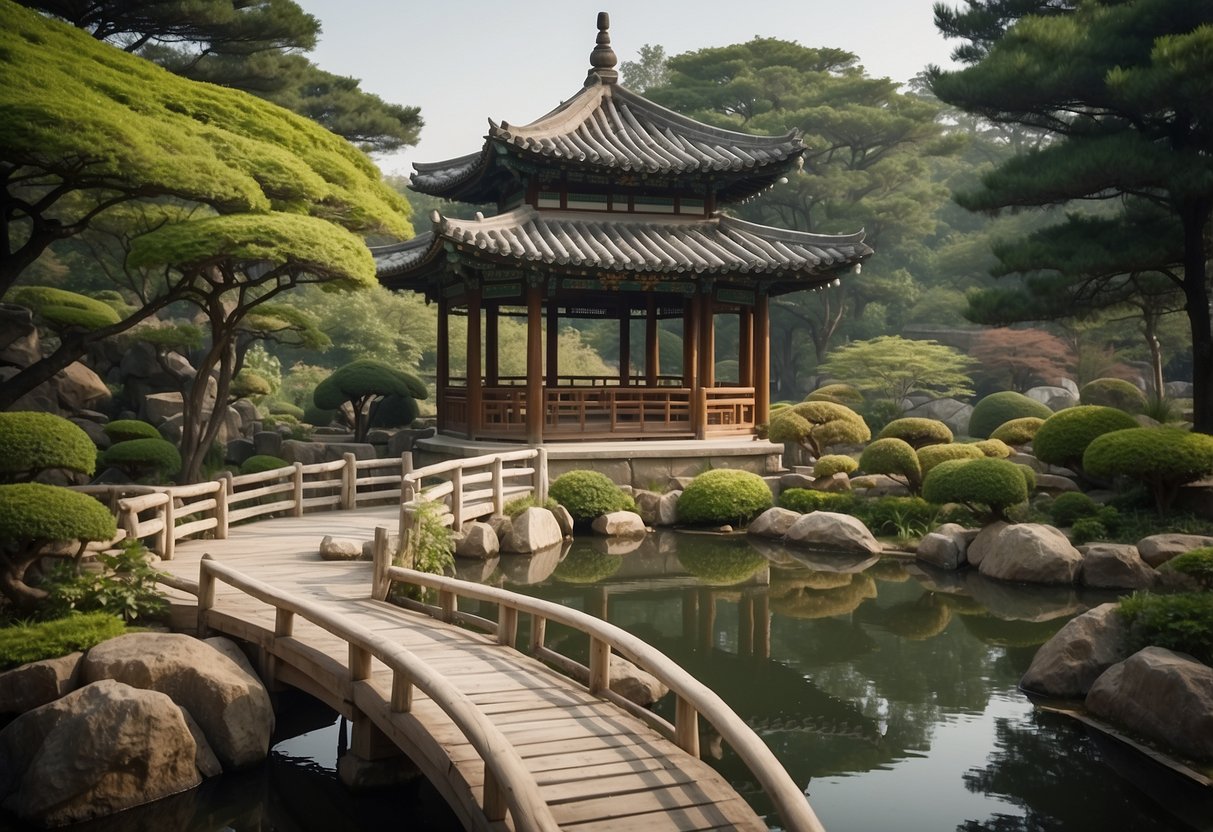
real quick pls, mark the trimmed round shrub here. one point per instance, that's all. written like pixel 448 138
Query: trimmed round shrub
pixel 994 448
pixel 844 394
pixel 1018 431
pixel 720 562
pixel 1064 437
pixel 818 425
pixel 1196 564
pixel 985 483
pixel 124 430
pixel 394 412
pixel 277 407
pixel 724 496
pixel 894 458
pixel 917 432
pixel 585 566
pixel 33 442
pixel 1113 392
pixel 832 464
pixel 318 416
pixel 933 455
pixel 1162 459
pixel 31 511
pixel 1072 506
pixel 138 457
pixel 999 408
pixel 258 463
pixel 250 383
pixel 587 494
pixel 806 500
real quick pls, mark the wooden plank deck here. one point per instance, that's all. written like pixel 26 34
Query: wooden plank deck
pixel 596 766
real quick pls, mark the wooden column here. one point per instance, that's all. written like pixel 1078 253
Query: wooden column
pixel 492 366
pixel 706 373
pixel 652 343
pixel 536 406
pixel 762 359
pixel 690 359
pixel 553 352
pixel 443 360
pixel 745 347
pixel 625 345
pixel 475 376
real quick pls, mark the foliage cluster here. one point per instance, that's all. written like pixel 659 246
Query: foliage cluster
pixel 1196 564
pixel 1071 506
pixel 985 485
pixel 588 494
pixel 890 367
pixel 1113 392
pixel 1017 359
pixel 933 455
pixel 59 309
pixel 832 464
pixel 894 458
pixel 1182 622
pixel 817 425
pixel 124 586
pixel 583 565
pixel 994 448
pixel 844 394
pixel 806 500
pixel 157 457
pixel 428 544
pixel 901 516
pixel 999 408
pixel 34 442
pixel 917 432
pixel 1021 431
pixel 26 642
pixel 1162 459
pixel 521 503
pixel 361 382
pixel 1064 437
pixel 258 463
pixel 123 430
pixel 724 496
pixel 31 512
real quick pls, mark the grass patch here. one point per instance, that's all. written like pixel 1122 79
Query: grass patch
pixel 31 642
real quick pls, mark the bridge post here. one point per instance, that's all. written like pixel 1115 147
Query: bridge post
pixel 498 487
pixel 456 499
pixel 297 490
pixel 539 483
pixel 381 560
pixel 222 495
pixel 349 483
pixel 206 594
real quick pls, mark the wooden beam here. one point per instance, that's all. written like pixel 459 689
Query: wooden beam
pixel 474 374
pixel 762 359
pixel 536 405
pixel 652 342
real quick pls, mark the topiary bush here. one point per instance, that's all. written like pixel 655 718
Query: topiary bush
pixel 143 458
pixel 277 407
pixel 318 416
pixel 1183 622
pixel 894 458
pixel 1088 530
pixel 27 642
pixel 394 412
pixel 1018 431
pixel 249 383
pixel 986 486
pixel 806 500
pixel 724 496
pixel 34 442
pixel 832 464
pixel 359 383
pixel 917 432
pixel 588 494
pixel 999 408
pixel 817 425
pixel 124 430
pixel 1113 392
pixel 1162 459
pixel 844 394
pixel 933 455
pixel 1064 437
pixel 259 463
pixel 1196 564
pixel 1071 506
pixel 993 447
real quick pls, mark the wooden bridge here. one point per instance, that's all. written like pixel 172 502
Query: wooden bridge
pixel 518 740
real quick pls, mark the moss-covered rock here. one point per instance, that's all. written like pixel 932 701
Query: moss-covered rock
pixel 724 496
pixel 1196 564
pixel 34 442
pixel 1018 431
pixel 1113 392
pixel 588 494
pixel 933 455
pixel 917 432
pixel 1162 459
pixel 895 458
pixel 1064 436
pixel 141 457
pixel 832 464
pixel 124 430
pixel 999 408
pixel 986 485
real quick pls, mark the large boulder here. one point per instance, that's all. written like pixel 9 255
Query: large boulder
pixel 97 751
pixel 19 345
pixel 532 530
pixel 37 683
pixel 619 524
pixel 944 548
pixel 1032 553
pixel 79 387
pixel 1054 398
pixel 983 543
pixel 1068 664
pixel 1157 549
pixel 217 686
pixel 952 413
pixel 1116 566
pixel 477 540
pixel 833 532
pixel 1163 696
pixel 773 523
pixel 307 453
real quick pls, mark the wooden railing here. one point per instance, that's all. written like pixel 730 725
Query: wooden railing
pixel 508 786
pixel 694 699
pixel 478 486
pixel 728 410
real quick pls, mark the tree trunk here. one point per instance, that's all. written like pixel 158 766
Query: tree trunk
pixel 1195 217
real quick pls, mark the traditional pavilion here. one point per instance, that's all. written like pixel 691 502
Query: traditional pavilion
pixel 608 208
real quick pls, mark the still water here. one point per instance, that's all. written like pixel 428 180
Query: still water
pixel 888 693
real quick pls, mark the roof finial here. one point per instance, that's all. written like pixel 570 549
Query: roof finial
pixel 602 59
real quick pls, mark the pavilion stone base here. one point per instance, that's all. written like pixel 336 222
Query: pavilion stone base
pixel 649 464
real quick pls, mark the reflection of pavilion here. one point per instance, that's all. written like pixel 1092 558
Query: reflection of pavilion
pixel 607 209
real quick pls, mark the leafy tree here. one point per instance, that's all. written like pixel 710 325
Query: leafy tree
pixel 816 426
pixel 1162 459
pixel 891 367
pixel 650 69
pixel 1017 359
pixel 249 46
pixel 361 383
pixel 89 129
pixel 1126 101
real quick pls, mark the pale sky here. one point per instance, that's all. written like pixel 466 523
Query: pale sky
pixel 464 61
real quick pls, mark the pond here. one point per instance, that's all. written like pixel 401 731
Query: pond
pixel 888 692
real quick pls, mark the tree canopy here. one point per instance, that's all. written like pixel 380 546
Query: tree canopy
pixel 892 367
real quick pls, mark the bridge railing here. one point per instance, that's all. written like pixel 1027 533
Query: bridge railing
pixel 508 786
pixel 477 486
pixel 694 699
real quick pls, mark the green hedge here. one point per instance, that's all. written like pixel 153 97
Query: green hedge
pixel 1071 506
pixel 124 430
pixel 588 494
pixel 1177 622
pixel 999 408
pixel 991 483
pixel 1162 459
pixel 1113 392
pixel 33 442
pixel 832 464
pixel 138 456
pixel 1018 431
pixel 29 642
pixel 259 463
pixel 724 496
pixel 917 432
pixel 995 448
pixel 1064 437
pixel 1196 563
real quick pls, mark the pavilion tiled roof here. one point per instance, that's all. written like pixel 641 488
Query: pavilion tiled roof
pixel 626 243
pixel 607 127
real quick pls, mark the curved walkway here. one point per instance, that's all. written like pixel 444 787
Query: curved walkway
pixel 595 766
